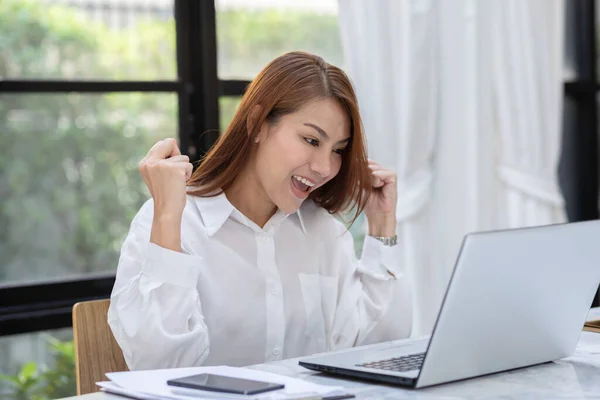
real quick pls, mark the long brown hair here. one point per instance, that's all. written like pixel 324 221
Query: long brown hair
pixel 283 87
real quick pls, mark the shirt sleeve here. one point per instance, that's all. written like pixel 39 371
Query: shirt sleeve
pixel 155 312
pixel 366 288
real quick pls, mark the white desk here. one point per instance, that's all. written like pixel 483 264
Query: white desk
pixel 576 377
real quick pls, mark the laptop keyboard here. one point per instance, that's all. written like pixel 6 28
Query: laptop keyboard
pixel 399 364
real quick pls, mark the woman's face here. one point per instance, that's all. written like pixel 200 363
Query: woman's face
pixel 301 152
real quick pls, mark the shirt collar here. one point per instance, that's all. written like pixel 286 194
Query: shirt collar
pixel 301 219
pixel 215 211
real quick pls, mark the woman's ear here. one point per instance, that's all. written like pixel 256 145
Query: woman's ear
pixel 252 121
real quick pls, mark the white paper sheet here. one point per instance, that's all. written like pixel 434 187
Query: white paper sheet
pixel 153 385
pixel 110 387
pixel 594 314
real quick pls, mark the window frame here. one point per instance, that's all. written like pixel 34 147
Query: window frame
pixel 33 307
pixel 582 91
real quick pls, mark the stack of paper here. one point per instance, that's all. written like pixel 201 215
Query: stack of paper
pixel 152 385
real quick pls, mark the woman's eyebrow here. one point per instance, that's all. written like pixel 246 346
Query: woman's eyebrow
pixel 324 134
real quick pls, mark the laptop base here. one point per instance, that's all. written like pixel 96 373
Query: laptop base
pixel 371 376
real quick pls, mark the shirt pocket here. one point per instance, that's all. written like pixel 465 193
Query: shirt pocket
pixel 320 300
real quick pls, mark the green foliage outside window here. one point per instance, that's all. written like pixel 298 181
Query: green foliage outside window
pixel 34 382
pixel 68 178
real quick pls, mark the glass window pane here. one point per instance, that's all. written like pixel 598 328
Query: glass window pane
pixel 87 39
pixel 252 33
pixel 569 37
pixel 38 365
pixel 68 178
pixel 227 108
pixel 358 230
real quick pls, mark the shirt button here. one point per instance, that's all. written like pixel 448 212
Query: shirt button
pixel 265 239
pixel 275 352
pixel 274 291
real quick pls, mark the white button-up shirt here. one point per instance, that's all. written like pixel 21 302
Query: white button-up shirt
pixel 239 294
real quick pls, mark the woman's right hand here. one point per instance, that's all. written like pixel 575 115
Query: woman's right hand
pixel 165 171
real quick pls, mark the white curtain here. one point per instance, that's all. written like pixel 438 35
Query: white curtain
pixel 527 39
pixel 392 60
pixel 463 99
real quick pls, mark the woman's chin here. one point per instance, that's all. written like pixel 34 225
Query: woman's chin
pixel 291 205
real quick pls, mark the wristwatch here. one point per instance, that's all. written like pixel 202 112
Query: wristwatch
pixel 387 240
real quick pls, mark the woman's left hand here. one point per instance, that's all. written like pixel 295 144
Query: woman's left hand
pixel 381 207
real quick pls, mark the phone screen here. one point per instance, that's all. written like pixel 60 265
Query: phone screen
pixel 219 383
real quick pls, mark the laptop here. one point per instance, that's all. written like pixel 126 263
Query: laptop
pixel 516 298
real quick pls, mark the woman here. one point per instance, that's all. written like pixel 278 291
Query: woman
pixel 244 262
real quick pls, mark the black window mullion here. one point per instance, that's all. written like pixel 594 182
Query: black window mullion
pixel 46 86
pixel 206 100
pixel 592 141
pixel 186 119
pixel 586 171
pixel 582 126
pixel 197 69
pixel 42 306
pixel 579 88
pixel 232 87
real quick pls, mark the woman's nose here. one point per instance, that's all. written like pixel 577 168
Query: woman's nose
pixel 322 165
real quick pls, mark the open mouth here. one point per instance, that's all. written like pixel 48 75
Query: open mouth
pixel 302 185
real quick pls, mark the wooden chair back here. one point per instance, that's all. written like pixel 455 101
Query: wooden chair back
pixel 96 350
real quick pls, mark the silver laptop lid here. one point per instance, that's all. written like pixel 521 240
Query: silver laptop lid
pixel 516 298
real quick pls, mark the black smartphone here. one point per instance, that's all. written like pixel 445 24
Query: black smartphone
pixel 226 384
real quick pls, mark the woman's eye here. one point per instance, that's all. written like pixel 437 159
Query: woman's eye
pixel 339 151
pixel 312 142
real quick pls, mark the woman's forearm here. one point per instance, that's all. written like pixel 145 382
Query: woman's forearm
pixel 166 232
